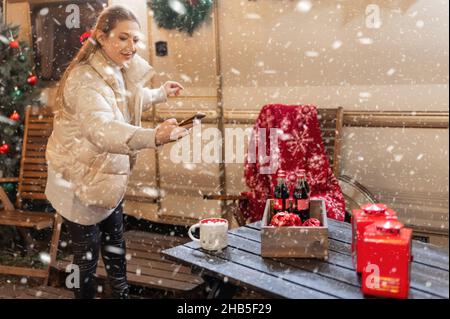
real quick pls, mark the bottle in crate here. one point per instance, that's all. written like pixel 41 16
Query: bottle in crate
pixel 386 250
pixel 361 218
pixel 301 197
pixel 281 194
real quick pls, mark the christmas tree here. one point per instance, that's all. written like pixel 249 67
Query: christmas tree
pixel 18 88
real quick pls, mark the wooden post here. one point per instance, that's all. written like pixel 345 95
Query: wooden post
pixel 219 110
pixel 338 140
pixel 54 245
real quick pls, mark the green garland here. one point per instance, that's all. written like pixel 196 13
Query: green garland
pixel 183 15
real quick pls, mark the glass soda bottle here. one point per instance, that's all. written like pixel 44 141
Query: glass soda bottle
pixel 301 197
pixel 281 194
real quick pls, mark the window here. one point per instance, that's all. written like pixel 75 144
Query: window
pixel 56 29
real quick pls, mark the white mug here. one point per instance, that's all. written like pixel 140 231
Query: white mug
pixel 213 233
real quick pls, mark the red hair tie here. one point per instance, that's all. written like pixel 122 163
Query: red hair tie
pixel 85 36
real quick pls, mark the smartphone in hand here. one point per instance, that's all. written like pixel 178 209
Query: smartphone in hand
pixel 191 120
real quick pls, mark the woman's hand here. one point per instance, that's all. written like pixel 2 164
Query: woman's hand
pixel 173 88
pixel 169 131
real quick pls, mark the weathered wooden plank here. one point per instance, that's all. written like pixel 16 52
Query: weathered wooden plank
pixel 152 239
pixel 37 140
pixel 160 273
pixel 437 278
pixel 40 132
pixel 35 160
pixel 152 282
pixel 307 276
pixel 39 174
pixel 325 269
pixel 14 291
pixel 148 252
pixel 26 219
pixel 237 274
pixel 429 280
pixel 423 253
pixel 39 196
pixel 344 275
pixel 22 271
pixel 40 126
pixel 36 147
pixel 40 120
pixel 35 167
pixel 139 258
pixel 33 188
pixel 36 153
pixel 34 181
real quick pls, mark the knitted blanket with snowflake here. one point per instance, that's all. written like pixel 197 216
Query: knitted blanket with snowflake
pixel 299 146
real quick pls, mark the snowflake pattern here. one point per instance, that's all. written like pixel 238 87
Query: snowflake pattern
pixel 303 150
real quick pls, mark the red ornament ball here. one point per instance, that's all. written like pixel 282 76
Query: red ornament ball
pixel 285 219
pixel 15 116
pixel 312 222
pixel 32 80
pixel 4 149
pixel 14 44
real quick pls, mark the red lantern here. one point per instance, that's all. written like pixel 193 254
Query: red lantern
pixel 4 149
pixel 32 80
pixel 361 218
pixel 15 116
pixel 387 262
pixel 14 44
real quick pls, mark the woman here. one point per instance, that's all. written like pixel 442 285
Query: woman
pixel 97 133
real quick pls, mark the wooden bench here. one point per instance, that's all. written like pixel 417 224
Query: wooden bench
pixel 146 267
pixel 31 186
pixel 21 291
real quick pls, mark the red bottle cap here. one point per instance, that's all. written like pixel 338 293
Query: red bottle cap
pixel 390 226
pixel 374 208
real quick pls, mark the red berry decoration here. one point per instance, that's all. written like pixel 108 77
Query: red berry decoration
pixel 32 80
pixel 14 44
pixel 4 149
pixel 14 116
pixel 285 219
pixel 312 222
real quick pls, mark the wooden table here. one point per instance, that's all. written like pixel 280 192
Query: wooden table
pixel 240 264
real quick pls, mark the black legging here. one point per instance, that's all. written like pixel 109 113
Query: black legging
pixel 86 242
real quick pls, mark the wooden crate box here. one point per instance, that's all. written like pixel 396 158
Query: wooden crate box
pixel 295 242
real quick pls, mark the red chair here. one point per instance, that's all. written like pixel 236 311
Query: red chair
pixel 311 140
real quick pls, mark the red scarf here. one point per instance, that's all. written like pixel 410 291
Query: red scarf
pixel 300 147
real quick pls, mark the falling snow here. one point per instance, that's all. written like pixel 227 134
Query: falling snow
pixel 300 52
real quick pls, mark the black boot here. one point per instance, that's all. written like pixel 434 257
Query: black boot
pixel 122 293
